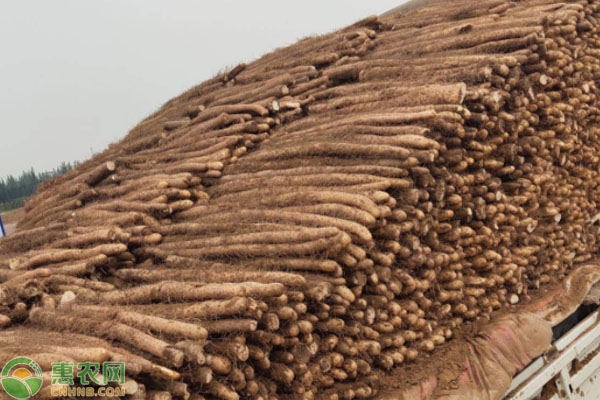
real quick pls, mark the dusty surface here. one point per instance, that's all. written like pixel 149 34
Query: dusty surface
pixel 10 220
pixel 13 217
pixel 10 228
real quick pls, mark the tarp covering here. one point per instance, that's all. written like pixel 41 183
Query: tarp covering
pixel 482 367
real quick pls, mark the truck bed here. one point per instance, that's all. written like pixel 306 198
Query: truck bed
pixel 569 370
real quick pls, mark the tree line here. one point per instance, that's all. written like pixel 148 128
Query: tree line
pixel 16 189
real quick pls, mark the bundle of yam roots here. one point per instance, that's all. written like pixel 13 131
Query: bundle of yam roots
pixel 297 227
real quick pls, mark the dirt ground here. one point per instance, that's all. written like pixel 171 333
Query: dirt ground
pixel 11 219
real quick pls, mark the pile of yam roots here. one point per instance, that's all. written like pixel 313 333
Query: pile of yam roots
pixel 297 227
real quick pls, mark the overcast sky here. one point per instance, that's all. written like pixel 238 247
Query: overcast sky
pixel 76 75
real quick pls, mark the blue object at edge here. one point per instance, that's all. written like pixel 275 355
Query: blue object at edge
pixel 2 227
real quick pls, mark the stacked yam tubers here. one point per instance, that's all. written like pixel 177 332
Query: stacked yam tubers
pixel 298 226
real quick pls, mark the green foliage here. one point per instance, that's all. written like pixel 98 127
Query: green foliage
pixel 12 205
pixel 14 191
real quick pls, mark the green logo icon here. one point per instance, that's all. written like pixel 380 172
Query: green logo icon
pixel 22 378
